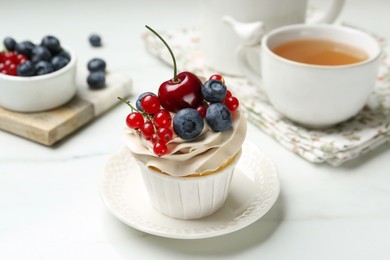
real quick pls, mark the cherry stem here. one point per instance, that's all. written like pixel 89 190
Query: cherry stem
pixel 175 79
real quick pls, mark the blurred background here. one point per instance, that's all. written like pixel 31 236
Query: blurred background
pixel 121 24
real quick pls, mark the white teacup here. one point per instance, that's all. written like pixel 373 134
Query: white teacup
pixel 219 42
pixel 317 96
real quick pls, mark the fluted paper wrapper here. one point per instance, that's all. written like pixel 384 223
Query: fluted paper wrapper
pixel 188 197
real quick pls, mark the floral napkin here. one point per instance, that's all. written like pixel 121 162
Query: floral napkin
pixel 369 129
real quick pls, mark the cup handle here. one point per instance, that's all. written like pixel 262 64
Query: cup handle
pixel 331 14
pixel 246 67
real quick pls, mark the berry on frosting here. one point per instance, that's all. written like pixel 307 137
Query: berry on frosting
pixel 218 77
pixel 135 120
pixel 150 104
pixel 188 123
pixel 232 103
pixel 214 91
pixel 162 118
pixel 218 117
pixel 138 102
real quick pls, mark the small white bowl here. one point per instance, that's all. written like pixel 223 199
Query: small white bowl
pixel 39 93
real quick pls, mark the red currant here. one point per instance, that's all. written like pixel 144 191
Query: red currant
pixel 202 110
pixel 154 138
pixel 11 70
pixel 9 55
pixel 218 77
pixel 164 134
pixel 232 103
pixel 20 58
pixel 150 104
pixel 147 130
pixel 228 94
pixel 162 119
pixel 7 63
pixel 135 120
pixel 1 66
pixel 160 148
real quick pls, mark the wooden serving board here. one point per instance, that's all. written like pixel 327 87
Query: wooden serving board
pixel 51 126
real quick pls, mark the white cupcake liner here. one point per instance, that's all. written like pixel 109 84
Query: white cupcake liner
pixel 188 197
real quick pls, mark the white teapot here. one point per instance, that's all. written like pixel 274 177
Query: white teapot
pixel 219 42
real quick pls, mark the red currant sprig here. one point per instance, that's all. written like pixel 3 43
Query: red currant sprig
pixel 153 128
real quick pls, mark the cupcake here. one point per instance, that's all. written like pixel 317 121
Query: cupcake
pixel 186 140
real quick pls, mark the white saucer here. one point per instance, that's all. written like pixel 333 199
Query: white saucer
pixel 254 189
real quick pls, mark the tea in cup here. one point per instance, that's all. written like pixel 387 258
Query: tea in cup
pixel 219 42
pixel 315 75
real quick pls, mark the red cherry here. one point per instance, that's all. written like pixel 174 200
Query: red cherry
pixel 162 119
pixel 218 77
pixel 232 103
pixel 183 90
pixel 150 104
pixel 185 93
pixel 147 130
pixel 135 120
pixel 160 148
pixel 164 134
pixel 2 66
pixel 202 110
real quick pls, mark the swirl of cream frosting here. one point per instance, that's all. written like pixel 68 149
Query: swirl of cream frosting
pixel 207 152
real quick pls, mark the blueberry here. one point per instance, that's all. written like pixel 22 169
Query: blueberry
pixel 9 43
pixel 43 67
pixel 96 80
pixel 64 54
pixel 139 99
pixel 214 91
pixel 40 53
pixel 188 123
pixel 26 69
pixel 24 48
pixel 59 62
pixel 218 117
pixel 96 64
pixel 95 40
pixel 51 43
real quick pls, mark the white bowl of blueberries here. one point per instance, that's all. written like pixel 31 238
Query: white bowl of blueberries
pixel 36 77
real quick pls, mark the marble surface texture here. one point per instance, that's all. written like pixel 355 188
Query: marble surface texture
pixel 50 207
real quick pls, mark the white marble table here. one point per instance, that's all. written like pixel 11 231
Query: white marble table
pixel 50 206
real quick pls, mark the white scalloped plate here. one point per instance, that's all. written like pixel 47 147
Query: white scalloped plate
pixel 254 189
